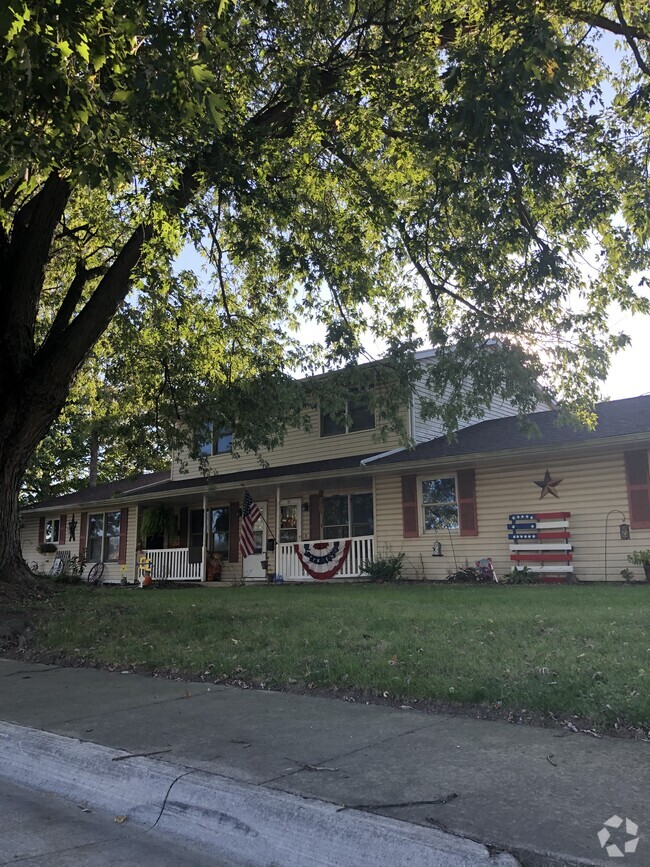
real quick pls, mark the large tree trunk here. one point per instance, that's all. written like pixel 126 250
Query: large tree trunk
pixel 12 566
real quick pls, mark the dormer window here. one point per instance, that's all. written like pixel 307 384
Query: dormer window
pixel 360 415
pixel 219 443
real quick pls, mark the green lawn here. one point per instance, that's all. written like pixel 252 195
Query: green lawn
pixel 567 650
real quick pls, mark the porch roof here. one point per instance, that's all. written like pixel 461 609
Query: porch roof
pixel 160 483
pixel 101 493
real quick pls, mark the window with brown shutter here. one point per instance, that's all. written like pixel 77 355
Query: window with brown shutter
pixel 124 526
pixel 466 481
pixel 314 516
pixel 83 529
pixel 638 488
pixel 410 522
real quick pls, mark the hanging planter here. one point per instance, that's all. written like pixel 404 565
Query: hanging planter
pixel 157 521
pixel 46 548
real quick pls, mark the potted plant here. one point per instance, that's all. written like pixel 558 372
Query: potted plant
pixel 641 558
pixel 214 566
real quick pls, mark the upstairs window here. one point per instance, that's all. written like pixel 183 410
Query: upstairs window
pixel 219 443
pixel 360 415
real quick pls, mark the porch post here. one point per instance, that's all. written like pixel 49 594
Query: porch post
pixel 205 534
pixel 276 552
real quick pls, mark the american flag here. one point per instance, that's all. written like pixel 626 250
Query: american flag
pixel 250 515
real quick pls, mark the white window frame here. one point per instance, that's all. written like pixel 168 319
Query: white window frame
pixel 429 477
pixel 103 558
pixel 347 494
pixel 55 520
pixel 210 449
pixel 298 528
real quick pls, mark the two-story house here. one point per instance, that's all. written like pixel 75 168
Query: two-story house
pixel 333 496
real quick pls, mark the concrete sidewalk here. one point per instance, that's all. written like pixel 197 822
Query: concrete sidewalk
pixel 542 795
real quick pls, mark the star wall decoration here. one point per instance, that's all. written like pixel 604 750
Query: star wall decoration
pixel 548 486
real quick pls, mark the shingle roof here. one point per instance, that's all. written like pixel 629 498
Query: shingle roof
pixel 103 492
pixel 616 418
pixel 260 473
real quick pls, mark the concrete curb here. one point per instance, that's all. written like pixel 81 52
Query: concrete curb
pixel 242 823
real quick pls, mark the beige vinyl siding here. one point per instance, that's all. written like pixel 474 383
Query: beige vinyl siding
pixel 593 484
pixel 432 428
pixel 29 541
pixel 299 447
pixel 112 571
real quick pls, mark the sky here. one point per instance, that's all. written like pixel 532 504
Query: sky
pixel 630 371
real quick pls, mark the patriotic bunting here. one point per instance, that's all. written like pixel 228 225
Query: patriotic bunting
pixel 323 559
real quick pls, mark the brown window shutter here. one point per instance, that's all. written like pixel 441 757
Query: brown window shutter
pixel 124 536
pixel 410 521
pixel 183 520
pixel 467 519
pixel 233 545
pixel 41 530
pixel 62 529
pixel 638 488
pixel 83 527
pixel 314 516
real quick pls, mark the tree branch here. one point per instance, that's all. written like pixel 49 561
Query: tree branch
pixel 72 296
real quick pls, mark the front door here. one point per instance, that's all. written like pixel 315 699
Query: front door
pixel 252 566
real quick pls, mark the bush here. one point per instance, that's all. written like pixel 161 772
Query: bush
pixel 521 576
pixel 639 557
pixel 385 567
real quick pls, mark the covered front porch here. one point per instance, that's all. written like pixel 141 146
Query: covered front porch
pixel 304 534
pixel 173 564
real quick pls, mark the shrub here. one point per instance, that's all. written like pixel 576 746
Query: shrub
pixel 639 557
pixel 386 567
pixel 521 576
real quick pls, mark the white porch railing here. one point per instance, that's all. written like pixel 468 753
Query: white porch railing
pixel 172 564
pixel 289 566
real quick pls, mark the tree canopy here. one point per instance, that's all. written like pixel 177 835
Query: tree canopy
pixel 378 170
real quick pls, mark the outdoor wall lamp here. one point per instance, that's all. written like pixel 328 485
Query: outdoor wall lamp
pixel 305 507
pixel 437 550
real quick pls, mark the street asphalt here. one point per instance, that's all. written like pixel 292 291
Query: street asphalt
pixel 38 829
pixel 267 773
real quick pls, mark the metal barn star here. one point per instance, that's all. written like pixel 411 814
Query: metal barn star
pixel 548 486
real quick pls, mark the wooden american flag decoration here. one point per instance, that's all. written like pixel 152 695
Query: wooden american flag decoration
pixel 541 538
